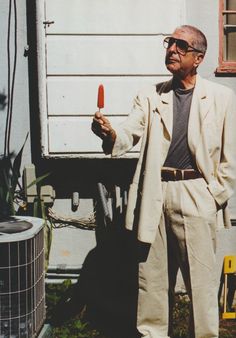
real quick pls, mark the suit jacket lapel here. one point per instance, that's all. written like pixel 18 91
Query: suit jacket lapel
pixel 164 107
pixel 200 107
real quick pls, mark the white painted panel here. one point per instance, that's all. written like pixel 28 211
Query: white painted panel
pixel 114 42
pixel 74 135
pixel 78 95
pixel 113 16
pixel 105 55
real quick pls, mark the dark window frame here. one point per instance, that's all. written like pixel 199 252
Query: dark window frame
pixel 226 67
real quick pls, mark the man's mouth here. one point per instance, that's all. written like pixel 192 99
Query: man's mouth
pixel 171 60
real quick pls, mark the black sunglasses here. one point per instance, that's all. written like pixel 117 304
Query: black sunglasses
pixel 182 46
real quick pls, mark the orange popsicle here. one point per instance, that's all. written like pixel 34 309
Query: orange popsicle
pixel 100 103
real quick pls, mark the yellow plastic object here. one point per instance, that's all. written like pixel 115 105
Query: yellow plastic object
pixel 229 315
pixel 229 268
pixel 230 264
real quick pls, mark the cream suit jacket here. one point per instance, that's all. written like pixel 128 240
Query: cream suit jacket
pixel 211 138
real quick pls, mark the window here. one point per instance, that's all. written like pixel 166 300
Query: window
pixel 227 35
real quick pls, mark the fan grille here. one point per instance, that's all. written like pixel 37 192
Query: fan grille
pixel 22 291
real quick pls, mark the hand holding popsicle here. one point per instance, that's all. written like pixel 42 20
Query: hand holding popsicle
pixel 101 125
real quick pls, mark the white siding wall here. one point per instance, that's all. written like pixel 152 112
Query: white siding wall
pixel 117 43
pixel 20 125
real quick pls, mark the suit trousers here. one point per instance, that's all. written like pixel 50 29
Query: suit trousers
pixel 186 240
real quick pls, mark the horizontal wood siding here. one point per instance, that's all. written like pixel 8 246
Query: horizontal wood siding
pixel 89 55
pixel 112 16
pixel 76 95
pixel 73 134
pixel 88 42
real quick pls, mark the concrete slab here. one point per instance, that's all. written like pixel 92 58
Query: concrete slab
pixel 70 247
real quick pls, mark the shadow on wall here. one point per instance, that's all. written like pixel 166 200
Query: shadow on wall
pixel 108 284
pixel 3 101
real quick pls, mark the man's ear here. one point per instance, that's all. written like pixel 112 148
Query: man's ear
pixel 199 58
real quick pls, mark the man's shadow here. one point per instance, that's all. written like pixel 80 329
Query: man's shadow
pixel 107 286
pixel 111 269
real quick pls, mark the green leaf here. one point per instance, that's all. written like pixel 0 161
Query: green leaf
pixel 38 180
pixel 78 325
pixel 36 208
pixel 17 164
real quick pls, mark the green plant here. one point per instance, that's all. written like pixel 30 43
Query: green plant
pixel 6 188
pixel 12 195
pixel 10 187
pixel 13 199
pixel 181 316
pixel 75 327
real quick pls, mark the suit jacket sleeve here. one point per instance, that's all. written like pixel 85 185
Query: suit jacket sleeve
pixel 130 131
pixel 223 186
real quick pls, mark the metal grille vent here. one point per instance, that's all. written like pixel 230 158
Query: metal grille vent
pixel 22 292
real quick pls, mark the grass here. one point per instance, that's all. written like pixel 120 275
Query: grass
pixel 181 314
pixel 74 320
pixel 69 325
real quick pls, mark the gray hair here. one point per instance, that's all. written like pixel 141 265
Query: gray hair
pixel 199 41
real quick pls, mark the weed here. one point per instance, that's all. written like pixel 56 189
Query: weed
pixel 79 327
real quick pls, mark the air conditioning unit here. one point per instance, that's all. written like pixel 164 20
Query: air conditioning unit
pixel 22 290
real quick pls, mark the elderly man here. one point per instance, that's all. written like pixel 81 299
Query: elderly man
pixel 185 175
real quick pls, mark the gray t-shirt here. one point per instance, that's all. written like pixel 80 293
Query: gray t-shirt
pixel 179 155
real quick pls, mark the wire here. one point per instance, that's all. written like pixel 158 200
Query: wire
pixel 88 223
pixel 10 77
pixel 13 78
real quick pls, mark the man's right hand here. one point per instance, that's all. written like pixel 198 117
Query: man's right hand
pixel 101 127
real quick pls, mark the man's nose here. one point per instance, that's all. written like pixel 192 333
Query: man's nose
pixel 173 48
